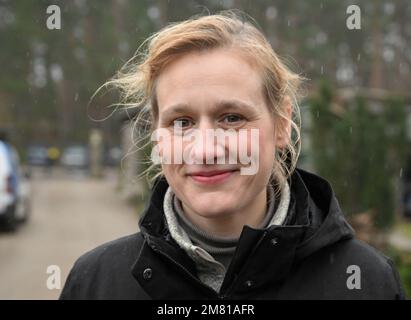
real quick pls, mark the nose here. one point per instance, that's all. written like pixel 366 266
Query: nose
pixel 207 148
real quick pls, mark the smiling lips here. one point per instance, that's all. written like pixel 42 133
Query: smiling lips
pixel 212 177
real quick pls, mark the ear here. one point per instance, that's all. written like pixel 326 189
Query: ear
pixel 284 134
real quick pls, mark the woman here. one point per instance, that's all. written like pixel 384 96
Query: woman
pixel 213 228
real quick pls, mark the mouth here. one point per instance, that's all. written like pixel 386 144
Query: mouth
pixel 212 177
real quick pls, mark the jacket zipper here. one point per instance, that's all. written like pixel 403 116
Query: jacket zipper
pixel 231 287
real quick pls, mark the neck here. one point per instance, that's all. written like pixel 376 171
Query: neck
pixel 231 225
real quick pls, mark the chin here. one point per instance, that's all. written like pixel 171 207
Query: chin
pixel 213 206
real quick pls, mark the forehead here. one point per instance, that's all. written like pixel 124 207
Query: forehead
pixel 204 78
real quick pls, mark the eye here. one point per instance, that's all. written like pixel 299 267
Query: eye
pixel 182 123
pixel 233 119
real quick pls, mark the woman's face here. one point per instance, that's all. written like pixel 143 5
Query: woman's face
pixel 199 93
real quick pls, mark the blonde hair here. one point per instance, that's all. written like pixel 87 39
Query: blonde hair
pixel 228 29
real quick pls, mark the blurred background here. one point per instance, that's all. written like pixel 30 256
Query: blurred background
pixel 68 172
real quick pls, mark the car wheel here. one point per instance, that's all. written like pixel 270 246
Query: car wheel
pixel 9 219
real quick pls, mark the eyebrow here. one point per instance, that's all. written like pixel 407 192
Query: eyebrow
pixel 223 104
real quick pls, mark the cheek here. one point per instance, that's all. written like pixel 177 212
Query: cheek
pixel 167 171
pixel 267 149
pixel 173 175
pixel 171 150
pixel 172 169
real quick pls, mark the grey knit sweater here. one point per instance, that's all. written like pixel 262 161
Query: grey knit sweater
pixel 212 254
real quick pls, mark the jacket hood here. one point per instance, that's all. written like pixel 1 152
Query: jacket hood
pixel 326 222
pixel 313 208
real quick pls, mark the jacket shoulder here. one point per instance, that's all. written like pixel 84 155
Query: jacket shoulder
pixel 97 273
pixel 379 278
pixel 122 248
pixel 380 267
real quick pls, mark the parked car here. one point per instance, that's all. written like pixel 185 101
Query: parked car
pixel 75 157
pixel 37 155
pixel 14 189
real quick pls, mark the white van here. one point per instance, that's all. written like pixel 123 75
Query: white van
pixel 14 197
